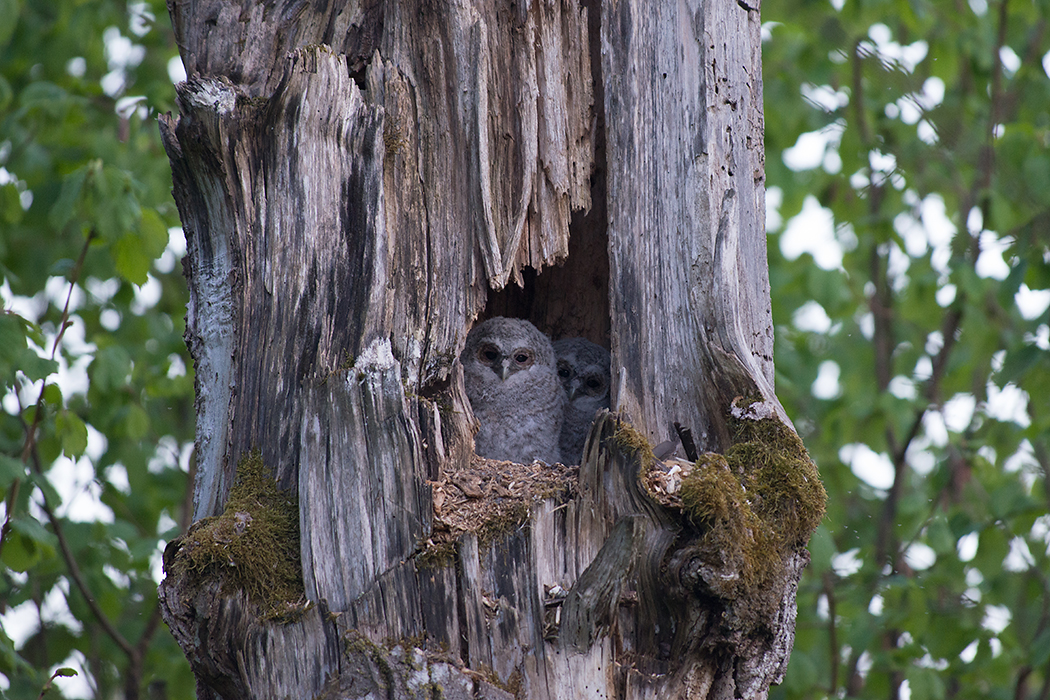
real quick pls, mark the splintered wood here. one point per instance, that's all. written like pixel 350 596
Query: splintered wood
pixel 491 496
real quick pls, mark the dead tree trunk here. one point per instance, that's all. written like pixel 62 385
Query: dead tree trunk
pixel 359 183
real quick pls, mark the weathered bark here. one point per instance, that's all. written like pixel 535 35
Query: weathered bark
pixel 358 182
pixel 693 327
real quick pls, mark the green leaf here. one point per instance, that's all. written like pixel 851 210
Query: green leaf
pixel 926 683
pixel 801 673
pixel 6 93
pixel 1019 362
pixel 1037 175
pixel 73 434
pixel 36 367
pixel 131 259
pixel 20 553
pixel 33 529
pixel 66 672
pixel 110 368
pixel 940 537
pixel 10 203
pixel 1007 500
pixel 993 546
pixel 154 234
pixel 9 12
pixel 10 470
pixel 12 337
pixel 821 548
pixel 28 543
pixel 10 660
pixel 72 185
pixel 50 99
pixel 53 395
pixel 1040 650
pixel 41 482
pixel 137 423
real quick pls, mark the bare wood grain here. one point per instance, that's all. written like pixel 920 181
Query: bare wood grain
pixel 357 181
pixel 691 319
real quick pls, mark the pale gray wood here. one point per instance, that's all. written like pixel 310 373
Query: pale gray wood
pixel 358 182
pixel 234 654
pixel 360 479
pixel 692 325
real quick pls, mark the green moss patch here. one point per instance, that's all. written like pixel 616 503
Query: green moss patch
pixel 752 505
pixel 628 439
pixel 253 546
pixel 762 498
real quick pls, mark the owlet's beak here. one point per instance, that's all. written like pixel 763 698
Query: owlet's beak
pixel 504 368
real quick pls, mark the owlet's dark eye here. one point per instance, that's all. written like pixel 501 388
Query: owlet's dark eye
pixel 488 354
pixel 593 383
pixel 564 372
pixel 522 358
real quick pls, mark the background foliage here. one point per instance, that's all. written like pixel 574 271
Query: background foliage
pixel 96 393
pixel 912 342
pixel 912 337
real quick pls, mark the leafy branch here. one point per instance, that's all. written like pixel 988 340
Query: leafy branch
pixel 30 456
pixel 31 430
pixel 59 673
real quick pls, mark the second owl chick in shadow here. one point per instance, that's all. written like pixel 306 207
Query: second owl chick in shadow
pixel 510 378
pixel 583 368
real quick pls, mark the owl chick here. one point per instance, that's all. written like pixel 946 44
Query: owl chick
pixel 583 369
pixel 513 387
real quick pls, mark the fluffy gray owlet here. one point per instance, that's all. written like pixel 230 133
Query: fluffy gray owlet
pixel 510 378
pixel 583 369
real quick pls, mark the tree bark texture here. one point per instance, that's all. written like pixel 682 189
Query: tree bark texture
pixel 358 183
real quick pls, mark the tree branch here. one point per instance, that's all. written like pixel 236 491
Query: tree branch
pixel 31 457
pixel 78 579
pixel 986 159
pixel 38 416
pixel 833 643
pixel 133 678
pixel 857 98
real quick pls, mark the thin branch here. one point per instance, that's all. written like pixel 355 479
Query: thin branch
pixel 932 388
pixel 1033 52
pixel 854 681
pixel 78 579
pixel 31 457
pixel 833 642
pixel 986 159
pixel 38 416
pixel 857 98
pixel 64 672
pixel 134 674
pixel 997 82
pixel 69 296
pixel 881 308
pixel 881 305
pixel 949 329
pixel 133 677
